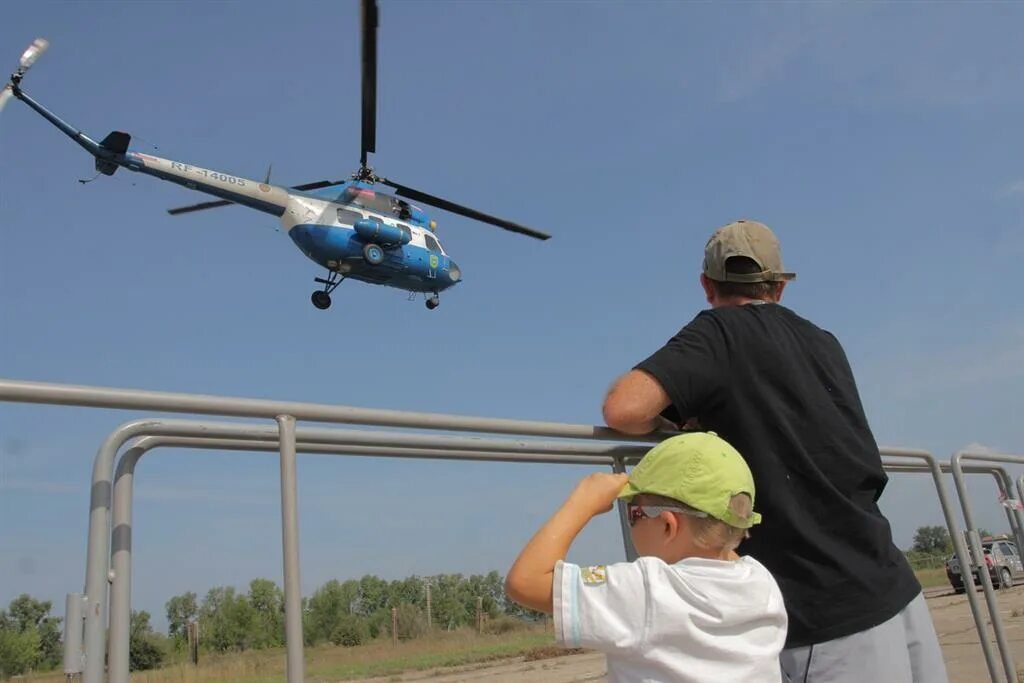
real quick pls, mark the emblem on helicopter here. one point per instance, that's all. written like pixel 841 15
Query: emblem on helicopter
pixel 346 226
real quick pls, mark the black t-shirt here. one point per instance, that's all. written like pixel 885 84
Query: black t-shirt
pixel 780 390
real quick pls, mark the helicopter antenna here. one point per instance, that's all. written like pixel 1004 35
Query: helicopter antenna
pixel 370 20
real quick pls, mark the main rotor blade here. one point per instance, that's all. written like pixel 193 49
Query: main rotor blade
pixel 202 206
pixel 416 195
pixel 316 185
pixel 198 207
pixel 369 59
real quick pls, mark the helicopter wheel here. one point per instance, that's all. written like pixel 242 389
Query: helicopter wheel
pixel 373 254
pixel 321 299
pixel 433 302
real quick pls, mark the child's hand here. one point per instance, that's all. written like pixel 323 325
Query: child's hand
pixel 597 492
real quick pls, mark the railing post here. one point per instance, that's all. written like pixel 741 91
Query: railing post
pixel 290 533
pixel 619 467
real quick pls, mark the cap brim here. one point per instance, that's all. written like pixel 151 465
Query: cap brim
pixel 752 278
pixel 628 491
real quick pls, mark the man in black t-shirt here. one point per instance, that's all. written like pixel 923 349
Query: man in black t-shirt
pixel 780 390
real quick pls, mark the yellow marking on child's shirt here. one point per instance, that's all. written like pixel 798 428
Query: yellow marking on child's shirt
pixel 593 575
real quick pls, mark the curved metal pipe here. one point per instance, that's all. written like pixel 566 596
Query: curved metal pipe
pixel 323 441
pixel 978 557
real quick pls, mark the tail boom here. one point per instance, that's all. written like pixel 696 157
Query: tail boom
pixel 112 153
pixel 264 197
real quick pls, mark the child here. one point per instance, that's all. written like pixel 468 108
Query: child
pixel 689 609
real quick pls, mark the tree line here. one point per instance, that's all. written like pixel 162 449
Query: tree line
pixel 346 613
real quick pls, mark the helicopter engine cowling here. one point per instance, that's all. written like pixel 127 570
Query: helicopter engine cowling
pixel 379 233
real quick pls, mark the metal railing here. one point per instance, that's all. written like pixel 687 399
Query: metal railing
pixel 1005 485
pixel 285 414
pixel 109 549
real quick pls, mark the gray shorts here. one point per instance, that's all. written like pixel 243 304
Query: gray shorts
pixel 904 649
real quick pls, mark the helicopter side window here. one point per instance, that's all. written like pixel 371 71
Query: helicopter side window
pixel 432 244
pixel 348 217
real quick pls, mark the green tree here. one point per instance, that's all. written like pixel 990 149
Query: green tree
pixel 328 607
pixel 26 615
pixel 449 602
pixel 51 652
pixel 181 609
pixel 489 589
pixel 19 651
pixel 373 596
pixel 229 621
pixel 409 591
pixel 267 601
pixel 412 622
pixel 144 649
pixel 349 631
pixel 932 540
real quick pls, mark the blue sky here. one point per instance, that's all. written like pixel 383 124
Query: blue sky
pixel 880 141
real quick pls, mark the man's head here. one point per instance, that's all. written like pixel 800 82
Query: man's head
pixel 743 262
pixel 691 495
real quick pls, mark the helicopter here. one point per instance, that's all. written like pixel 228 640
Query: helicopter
pixel 347 226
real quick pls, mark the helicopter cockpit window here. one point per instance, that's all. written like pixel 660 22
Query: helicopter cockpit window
pixel 432 244
pixel 368 199
pixel 348 217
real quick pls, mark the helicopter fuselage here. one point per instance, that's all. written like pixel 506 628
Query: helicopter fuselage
pixel 331 233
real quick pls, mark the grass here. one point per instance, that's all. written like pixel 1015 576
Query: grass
pixel 379 657
pixel 333 663
pixel 930 578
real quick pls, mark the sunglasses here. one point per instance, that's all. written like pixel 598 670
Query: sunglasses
pixel 636 511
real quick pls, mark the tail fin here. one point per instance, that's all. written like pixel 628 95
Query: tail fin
pixel 116 144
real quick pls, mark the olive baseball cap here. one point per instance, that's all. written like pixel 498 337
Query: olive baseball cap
pixel 746 238
pixel 699 469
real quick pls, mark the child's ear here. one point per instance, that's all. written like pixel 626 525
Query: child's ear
pixel 672 526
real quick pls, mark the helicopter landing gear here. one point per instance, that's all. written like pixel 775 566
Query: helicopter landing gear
pixel 433 302
pixel 373 254
pixel 322 298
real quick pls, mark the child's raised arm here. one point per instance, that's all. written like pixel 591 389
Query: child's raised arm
pixel 529 581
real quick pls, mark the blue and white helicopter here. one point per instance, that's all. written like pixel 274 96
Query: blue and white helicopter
pixel 345 226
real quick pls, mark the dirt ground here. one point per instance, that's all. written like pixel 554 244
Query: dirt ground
pixel 951 613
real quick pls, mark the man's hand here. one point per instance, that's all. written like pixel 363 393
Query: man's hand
pixel 692 425
pixel 597 492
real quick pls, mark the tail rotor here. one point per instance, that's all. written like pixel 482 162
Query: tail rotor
pixel 28 58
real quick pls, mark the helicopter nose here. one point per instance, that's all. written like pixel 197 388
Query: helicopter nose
pixel 454 272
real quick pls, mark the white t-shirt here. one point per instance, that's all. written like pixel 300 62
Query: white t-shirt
pixel 696 621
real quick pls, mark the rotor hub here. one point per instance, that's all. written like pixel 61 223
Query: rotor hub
pixel 365 174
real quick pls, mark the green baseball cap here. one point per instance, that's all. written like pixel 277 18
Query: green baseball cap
pixel 752 240
pixel 699 469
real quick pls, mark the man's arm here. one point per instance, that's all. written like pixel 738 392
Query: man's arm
pixel 529 581
pixel 634 404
